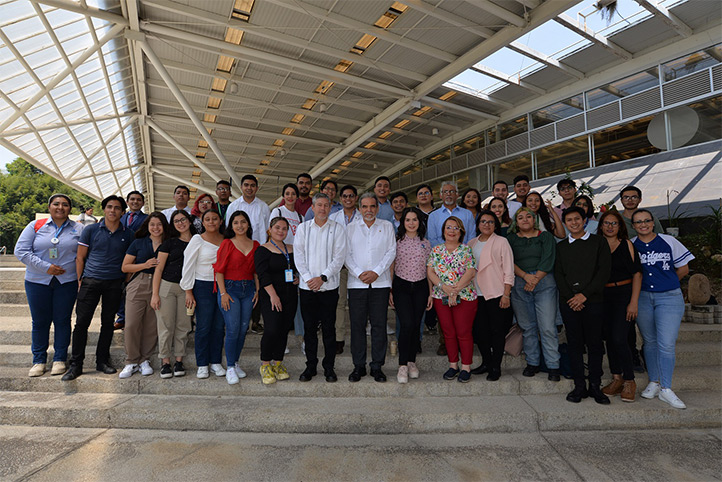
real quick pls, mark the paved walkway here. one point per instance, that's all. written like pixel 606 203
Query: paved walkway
pixel 33 453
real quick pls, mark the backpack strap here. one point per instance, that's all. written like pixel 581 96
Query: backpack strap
pixel 40 223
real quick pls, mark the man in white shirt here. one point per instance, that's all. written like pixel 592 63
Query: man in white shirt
pixel 371 250
pixel 259 214
pixel 181 194
pixel 501 189
pixel 320 251
pixel 348 214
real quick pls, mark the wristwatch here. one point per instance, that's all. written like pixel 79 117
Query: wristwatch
pixel 324 278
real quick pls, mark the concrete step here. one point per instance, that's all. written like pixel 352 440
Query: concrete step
pixel 10 261
pixel 352 415
pixel 12 274
pixel 687 354
pixel 15 297
pixel 429 384
pixel 12 285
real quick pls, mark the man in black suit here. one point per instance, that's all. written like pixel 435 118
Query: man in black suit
pixel 132 220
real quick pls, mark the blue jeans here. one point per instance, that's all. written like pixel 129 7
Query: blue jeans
pixel 660 315
pixel 51 304
pixel 536 313
pixel 238 317
pixel 209 324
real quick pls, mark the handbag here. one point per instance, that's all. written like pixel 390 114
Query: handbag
pixel 513 343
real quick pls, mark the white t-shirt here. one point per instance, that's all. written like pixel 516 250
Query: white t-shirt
pixel 294 220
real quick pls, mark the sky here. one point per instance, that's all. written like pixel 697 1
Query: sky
pixel 5 157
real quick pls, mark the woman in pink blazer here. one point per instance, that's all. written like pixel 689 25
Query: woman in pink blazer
pixel 494 279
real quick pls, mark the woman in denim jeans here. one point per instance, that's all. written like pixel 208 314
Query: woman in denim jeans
pixel 235 273
pixel 661 304
pixel 534 295
pixel 199 284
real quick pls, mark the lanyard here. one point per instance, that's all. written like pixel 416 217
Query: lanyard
pixel 55 239
pixel 284 252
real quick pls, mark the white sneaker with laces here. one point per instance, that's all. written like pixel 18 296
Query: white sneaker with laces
pixel 403 375
pixel 128 371
pixel 231 376
pixel 145 369
pixel 651 391
pixel 218 369
pixel 667 395
pixel 202 372
pixel 240 373
pixel 413 370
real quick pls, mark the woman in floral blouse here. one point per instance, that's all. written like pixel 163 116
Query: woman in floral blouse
pixel 450 271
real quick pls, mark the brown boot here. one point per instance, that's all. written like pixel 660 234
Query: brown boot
pixel 629 390
pixel 614 388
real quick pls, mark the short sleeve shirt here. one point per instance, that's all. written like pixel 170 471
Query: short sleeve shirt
pixel 173 271
pixel 106 250
pixel 142 249
pixel 450 268
pixel 660 257
pixel 411 256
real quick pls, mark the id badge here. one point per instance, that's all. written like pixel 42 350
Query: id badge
pixel 53 253
pixel 289 276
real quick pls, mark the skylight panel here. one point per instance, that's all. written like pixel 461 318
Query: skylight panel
pixel 553 39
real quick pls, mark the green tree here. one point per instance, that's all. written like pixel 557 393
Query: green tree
pixel 24 191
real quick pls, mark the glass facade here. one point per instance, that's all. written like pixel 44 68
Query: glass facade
pixel 572 154
pixel 623 142
pixel 560 110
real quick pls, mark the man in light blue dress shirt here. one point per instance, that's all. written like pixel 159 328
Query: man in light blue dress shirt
pixel 382 189
pixel 449 195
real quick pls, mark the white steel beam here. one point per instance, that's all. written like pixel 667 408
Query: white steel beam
pixel 545 59
pixel 104 147
pixel 589 34
pixel 498 11
pixel 167 174
pixel 76 122
pixel 83 9
pixel 661 12
pixel 509 79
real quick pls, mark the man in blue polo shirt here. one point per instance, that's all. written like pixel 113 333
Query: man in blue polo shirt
pixel 449 195
pixel 101 249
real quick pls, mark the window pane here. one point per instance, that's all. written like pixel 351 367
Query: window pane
pixel 622 88
pixel 560 110
pixel 508 170
pixel 692 63
pixel 556 159
pixel 623 142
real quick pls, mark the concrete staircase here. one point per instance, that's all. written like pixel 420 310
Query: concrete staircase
pixel 428 405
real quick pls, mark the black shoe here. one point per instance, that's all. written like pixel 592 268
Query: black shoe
pixel 166 371
pixel 339 347
pixel 257 327
pixel 596 393
pixel 378 375
pixel 554 375
pixel 451 373
pixel 464 376
pixel 307 375
pixel 330 375
pixel 530 371
pixel 441 351
pixel 576 395
pixel 493 375
pixel 178 369
pixel 105 368
pixel 356 374
pixel 73 372
pixel 480 370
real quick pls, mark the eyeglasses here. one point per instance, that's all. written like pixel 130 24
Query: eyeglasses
pixel 487 221
pixel 452 228
pixel 222 189
pixel 448 191
pixel 630 198
pixel 609 223
pixel 180 221
pixel 566 188
pixel 348 196
pixel 423 193
pixel 642 221
pixel 205 202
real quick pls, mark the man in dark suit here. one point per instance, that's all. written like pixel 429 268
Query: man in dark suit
pixel 132 220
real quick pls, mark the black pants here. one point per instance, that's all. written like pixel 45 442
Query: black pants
pixel 584 328
pixel 319 307
pixel 491 325
pixel 410 300
pixel 277 323
pixel 92 290
pixel 616 330
pixel 368 304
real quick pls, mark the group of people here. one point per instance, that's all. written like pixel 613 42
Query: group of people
pixel 312 261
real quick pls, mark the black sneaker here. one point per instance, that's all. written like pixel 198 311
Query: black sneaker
pixel 464 376
pixel 178 369
pixel 530 371
pixel 166 371
pixel 451 373
pixel 554 375
pixel 257 327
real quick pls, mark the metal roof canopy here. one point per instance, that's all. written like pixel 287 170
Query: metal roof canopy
pixel 109 96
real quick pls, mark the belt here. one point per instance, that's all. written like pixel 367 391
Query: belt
pixel 618 283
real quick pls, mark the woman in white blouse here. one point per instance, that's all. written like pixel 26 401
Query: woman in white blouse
pixel 198 283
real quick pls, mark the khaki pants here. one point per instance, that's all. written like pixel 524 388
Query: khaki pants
pixel 173 322
pixel 342 320
pixel 141 330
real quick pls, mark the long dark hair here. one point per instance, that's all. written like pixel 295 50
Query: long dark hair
pixel 173 232
pixel 478 198
pixel 505 218
pixel 622 233
pixel 221 228
pixel 543 212
pixel 401 232
pixel 589 211
pixel 143 229
pixel 230 233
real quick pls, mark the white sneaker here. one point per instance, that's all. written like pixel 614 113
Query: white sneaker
pixel 651 391
pixel 145 369
pixel 218 369
pixel 202 372
pixel 240 373
pixel 231 376
pixel 403 375
pixel 413 370
pixel 128 371
pixel 59 368
pixel 37 370
pixel 667 395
